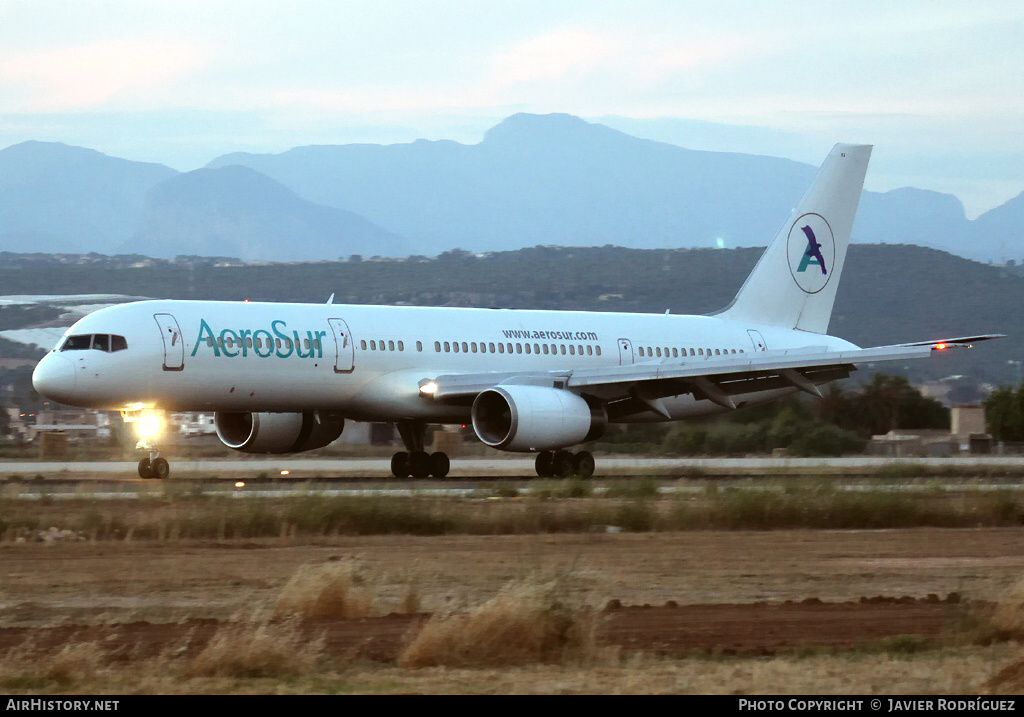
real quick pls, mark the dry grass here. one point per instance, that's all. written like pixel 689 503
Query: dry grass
pixel 956 671
pixel 255 649
pixel 525 623
pixel 321 591
pixel 73 664
pixel 1007 617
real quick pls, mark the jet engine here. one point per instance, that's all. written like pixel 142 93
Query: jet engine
pixel 535 418
pixel 277 432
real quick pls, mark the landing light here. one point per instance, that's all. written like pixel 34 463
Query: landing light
pixel 240 484
pixel 284 473
pixel 429 388
pixel 148 425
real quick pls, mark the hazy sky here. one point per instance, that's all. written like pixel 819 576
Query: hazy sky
pixel 937 87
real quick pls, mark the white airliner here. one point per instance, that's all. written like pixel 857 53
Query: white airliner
pixel 283 378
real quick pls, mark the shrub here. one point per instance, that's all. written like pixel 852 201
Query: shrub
pixel 329 590
pixel 525 623
pixel 253 649
pixel 826 439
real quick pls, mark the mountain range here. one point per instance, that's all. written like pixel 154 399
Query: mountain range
pixel 533 179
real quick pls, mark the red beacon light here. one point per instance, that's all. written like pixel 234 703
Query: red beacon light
pixel 941 346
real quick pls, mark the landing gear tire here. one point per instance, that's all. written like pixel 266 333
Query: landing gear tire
pixel 543 464
pixel 146 469
pixel 583 464
pixel 439 464
pixel 400 465
pixel 419 464
pixel 562 464
pixel 160 468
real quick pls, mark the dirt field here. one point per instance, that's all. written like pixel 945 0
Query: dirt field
pixel 670 594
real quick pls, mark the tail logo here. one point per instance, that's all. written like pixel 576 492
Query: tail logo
pixel 812 250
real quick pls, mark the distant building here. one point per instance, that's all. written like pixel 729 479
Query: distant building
pixel 966 435
pixel 78 425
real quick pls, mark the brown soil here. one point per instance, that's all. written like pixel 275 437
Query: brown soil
pixel 668 630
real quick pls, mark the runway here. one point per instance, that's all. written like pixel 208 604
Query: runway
pixel 475 468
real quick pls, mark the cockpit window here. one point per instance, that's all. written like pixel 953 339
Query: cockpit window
pixel 75 343
pixel 101 342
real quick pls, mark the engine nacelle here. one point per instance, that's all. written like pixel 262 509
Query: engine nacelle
pixel 535 418
pixel 277 432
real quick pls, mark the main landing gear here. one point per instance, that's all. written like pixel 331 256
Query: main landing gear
pixel 416 462
pixel 562 464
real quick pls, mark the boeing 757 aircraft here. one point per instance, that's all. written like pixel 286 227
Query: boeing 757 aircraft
pixel 283 378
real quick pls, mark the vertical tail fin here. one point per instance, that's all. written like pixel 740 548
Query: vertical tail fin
pixel 794 283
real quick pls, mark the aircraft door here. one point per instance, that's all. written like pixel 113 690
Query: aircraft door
pixel 174 344
pixel 346 350
pixel 758 340
pixel 625 352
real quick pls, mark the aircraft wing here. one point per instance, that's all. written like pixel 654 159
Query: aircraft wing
pixel 640 386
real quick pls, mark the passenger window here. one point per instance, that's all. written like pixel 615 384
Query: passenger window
pixel 362 344
pixel 717 352
pixel 579 349
pixel 700 352
pixel 455 346
pixel 527 348
pixel 536 348
pixel 437 346
pixel 641 350
pixel 598 350
pixel 501 348
pixel 472 346
pixel 659 352
pixel 572 350
pixel 419 345
pixel 447 347
pixel 547 349
pixel 519 348
pixel 118 343
pixel 590 350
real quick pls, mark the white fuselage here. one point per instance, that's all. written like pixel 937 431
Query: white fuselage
pixel 369 362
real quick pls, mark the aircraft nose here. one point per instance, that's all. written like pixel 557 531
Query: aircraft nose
pixel 54 378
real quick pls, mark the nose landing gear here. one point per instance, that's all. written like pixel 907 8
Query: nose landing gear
pixel 153 466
